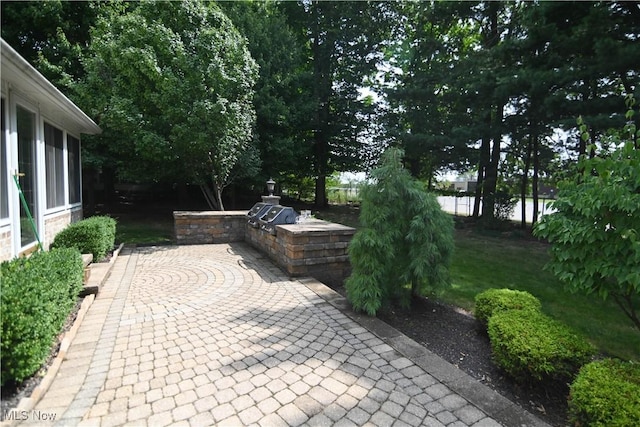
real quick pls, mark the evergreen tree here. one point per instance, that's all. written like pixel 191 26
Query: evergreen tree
pixel 344 43
pixel 425 101
pixel 405 244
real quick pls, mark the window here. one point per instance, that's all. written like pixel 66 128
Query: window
pixel 4 189
pixel 54 158
pixel 26 122
pixel 73 152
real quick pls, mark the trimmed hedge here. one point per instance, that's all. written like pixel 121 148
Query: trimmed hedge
pixel 94 235
pixel 38 293
pixel 606 393
pixel 528 344
pixel 497 300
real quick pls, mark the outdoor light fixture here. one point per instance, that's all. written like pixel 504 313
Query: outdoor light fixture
pixel 271 184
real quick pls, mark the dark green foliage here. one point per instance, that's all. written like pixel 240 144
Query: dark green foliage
pixel 494 301
pixel 405 243
pixel 595 231
pixel 606 393
pixel 95 235
pixel 172 85
pixel 38 294
pixel 344 42
pixel 527 344
pixel 504 205
pixel 283 97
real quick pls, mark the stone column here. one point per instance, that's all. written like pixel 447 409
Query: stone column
pixel 271 200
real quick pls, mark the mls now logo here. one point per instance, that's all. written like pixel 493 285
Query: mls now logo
pixel 14 415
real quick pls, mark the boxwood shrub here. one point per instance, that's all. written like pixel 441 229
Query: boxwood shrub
pixel 606 393
pixel 38 293
pixel 94 235
pixel 496 300
pixel 527 344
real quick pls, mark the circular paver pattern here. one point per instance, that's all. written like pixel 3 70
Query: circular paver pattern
pixel 215 335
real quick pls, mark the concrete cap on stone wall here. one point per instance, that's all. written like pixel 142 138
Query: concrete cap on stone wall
pixel 316 225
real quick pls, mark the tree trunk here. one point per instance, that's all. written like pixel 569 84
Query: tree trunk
pixel 322 50
pixel 494 120
pixel 491 177
pixel 482 167
pixel 211 198
pixel 525 183
pixel 219 197
pixel 534 182
pixel 321 192
pixel 489 188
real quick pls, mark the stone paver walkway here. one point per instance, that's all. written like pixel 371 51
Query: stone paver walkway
pixel 217 335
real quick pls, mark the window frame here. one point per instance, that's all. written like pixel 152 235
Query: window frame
pixel 77 170
pixel 54 180
pixel 19 102
pixel 5 180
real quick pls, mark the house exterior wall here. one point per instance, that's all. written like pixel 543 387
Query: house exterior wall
pixel 5 244
pixel 41 131
pixel 53 224
pixel 49 220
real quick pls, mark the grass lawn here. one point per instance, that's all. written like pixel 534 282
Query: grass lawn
pixel 481 261
pixel 144 230
pixel 491 260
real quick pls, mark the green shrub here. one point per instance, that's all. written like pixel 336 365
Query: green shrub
pixel 497 300
pixel 95 235
pixel 606 393
pixel 38 294
pixel 527 344
pixel 405 243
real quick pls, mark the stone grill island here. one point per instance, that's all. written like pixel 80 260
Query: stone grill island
pixel 311 247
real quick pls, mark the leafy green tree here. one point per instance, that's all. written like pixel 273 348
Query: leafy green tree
pixel 282 91
pixel 564 70
pixel 54 35
pixel 595 233
pixel 171 85
pixel 405 243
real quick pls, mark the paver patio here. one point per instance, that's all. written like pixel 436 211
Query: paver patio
pixel 217 335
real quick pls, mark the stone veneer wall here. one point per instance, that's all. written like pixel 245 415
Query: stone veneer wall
pixel 314 248
pixel 209 227
pixel 5 244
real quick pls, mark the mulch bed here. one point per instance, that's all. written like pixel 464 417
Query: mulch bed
pixel 460 339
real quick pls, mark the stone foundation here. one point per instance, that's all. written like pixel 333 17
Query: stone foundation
pixel 314 248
